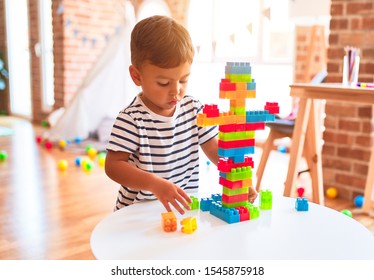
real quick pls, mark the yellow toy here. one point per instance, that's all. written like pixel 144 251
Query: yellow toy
pixel 189 225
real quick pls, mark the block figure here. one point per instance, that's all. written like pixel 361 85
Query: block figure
pixel 236 142
pixel 266 200
pixel 169 221
pixel 301 204
pixel 189 225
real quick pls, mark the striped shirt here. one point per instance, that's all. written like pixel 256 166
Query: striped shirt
pixel 165 146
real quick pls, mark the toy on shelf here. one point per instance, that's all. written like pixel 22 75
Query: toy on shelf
pixel 300 191
pixel 3 155
pixel 332 192
pixel 347 212
pixel 62 165
pixel 358 201
pixel 236 141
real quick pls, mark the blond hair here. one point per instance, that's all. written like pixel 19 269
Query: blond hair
pixel 161 41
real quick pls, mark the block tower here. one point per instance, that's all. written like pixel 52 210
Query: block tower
pixel 236 140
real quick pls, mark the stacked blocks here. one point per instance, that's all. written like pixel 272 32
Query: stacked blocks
pixel 236 141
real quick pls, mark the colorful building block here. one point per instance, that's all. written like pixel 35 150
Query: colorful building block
pixel 266 200
pixel 195 204
pixel 229 215
pixel 301 204
pixel 189 225
pixel 205 204
pixel 169 221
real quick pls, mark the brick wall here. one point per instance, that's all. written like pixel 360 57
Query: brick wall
pixel 348 127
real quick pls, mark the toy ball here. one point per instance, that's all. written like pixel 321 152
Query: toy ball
pixel 207 162
pixel 92 152
pixel 101 159
pixel 62 144
pixel 358 201
pixel 89 146
pixel 39 139
pixel 300 191
pixel 48 145
pixel 45 123
pixel 77 140
pixel 3 155
pixel 282 149
pixel 78 161
pixel 62 165
pixel 331 192
pixel 347 212
pixel 87 165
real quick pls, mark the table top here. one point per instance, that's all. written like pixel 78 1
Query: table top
pixel 331 91
pixel 135 233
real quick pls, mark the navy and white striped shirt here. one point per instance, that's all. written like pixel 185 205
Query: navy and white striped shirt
pixel 165 146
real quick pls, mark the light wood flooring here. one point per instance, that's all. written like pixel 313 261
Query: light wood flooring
pixel 48 214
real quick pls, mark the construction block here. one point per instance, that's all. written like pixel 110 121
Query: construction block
pixel 211 110
pixel 217 197
pixel 189 225
pixel 169 221
pixel 238 111
pixel 244 213
pixel 228 199
pixel 272 107
pixel 240 173
pixel 225 164
pixel 235 184
pixel 252 85
pixel 301 204
pixel 254 212
pixel 235 152
pixel 234 204
pixel 259 116
pixel 195 204
pixel 226 85
pixel 229 215
pixel 205 204
pixel 238 67
pixel 230 192
pixel 266 200
pixel 241 135
pixel 236 143
pixel 242 127
pixel 240 94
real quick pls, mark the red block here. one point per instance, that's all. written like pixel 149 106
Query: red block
pixel 241 127
pixel 236 143
pixel 226 85
pixel 225 165
pixel 244 213
pixel 272 107
pixel 234 198
pixel 211 111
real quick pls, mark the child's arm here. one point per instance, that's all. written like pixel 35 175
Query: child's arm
pixel 210 149
pixel 119 170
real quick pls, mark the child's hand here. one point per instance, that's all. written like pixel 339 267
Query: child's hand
pixel 169 193
pixel 252 195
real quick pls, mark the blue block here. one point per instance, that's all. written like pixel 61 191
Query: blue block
pixel 259 116
pixel 205 204
pixel 229 215
pixel 301 204
pixel 235 152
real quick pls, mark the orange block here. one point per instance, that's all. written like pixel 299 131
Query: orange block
pixel 169 221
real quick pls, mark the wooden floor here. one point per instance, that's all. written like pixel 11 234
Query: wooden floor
pixel 48 214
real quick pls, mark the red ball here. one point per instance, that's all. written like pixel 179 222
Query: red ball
pixel 39 139
pixel 48 145
pixel 300 191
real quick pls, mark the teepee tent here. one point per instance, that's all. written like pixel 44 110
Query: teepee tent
pixel 106 90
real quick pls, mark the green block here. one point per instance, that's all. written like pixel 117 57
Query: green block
pixel 238 111
pixel 195 204
pixel 230 192
pixel 240 173
pixel 240 135
pixel 234 204
pixel 234 78
pixel 266 200
pixel 254 212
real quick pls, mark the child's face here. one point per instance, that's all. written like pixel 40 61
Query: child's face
pixel 162 88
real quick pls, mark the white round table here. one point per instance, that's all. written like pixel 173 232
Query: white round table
pixel 321 233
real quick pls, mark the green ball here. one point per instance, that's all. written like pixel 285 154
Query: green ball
pixel 3 155
pixel 347 212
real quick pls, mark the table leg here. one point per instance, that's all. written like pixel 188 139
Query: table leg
pixel 314 157
pixel 298 140
pixel 369 183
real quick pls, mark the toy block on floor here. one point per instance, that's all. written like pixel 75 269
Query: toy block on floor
pixel 244 213
pixel 266 200
pixel 254 212
pixel 189 225
pixel 229 215
pixel 301 204
pixel 169 221
pixel 194 205
pixel 205 204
